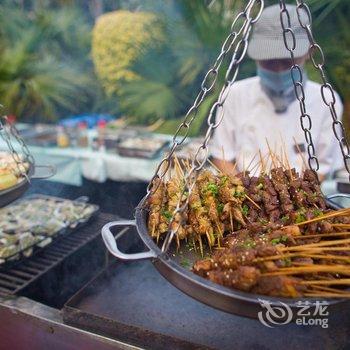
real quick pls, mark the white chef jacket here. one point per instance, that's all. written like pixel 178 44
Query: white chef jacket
pixel 250 120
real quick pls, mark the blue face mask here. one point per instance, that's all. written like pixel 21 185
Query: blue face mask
pixel 278 82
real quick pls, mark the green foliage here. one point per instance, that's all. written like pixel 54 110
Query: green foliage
pixel 38 73
pixel 30 86
pixel 119 39
pixel 46 71
pixel 170 76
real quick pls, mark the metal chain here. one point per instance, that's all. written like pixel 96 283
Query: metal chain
pixel 6 136
pixel 24 148
pixel 8 132
pixel 216 115
pixel 326 87
pixel 297 76
pixel 207 85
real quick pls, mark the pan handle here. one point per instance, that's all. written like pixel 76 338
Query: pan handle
pixel 111 242
pixel 331 198
pixel 50 171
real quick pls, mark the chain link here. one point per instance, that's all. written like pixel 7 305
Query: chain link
pixel 8 132
pixel 208 84
pixel 216 114
pixel 297 76
pixel 318 61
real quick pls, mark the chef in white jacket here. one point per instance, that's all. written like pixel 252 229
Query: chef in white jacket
pixel 263 110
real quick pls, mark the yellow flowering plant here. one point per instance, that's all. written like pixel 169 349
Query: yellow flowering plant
pixel 118 39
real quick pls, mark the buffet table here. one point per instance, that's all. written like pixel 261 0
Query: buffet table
pixel 74 163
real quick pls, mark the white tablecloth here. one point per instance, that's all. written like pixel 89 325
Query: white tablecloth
pixel 73 163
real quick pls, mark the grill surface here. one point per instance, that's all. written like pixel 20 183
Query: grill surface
pixel 132 302
pixel 19 276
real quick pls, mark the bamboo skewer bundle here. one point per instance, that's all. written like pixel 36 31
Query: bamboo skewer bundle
pixel 327 255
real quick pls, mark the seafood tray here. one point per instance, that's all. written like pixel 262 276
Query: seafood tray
pixel 141 147
pixel 32 223
pixel 40 135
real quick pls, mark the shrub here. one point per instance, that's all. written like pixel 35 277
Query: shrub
pixel 118 39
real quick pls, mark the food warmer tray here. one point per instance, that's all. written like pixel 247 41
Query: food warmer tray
pixel 10 194
pixel 19 256
pixel 169 265
pixel 140 153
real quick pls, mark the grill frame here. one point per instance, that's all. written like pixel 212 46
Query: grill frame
pixel 19 275
pixel 12 260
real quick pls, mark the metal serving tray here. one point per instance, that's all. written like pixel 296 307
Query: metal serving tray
pixel 168 264
pixel 20 255
pixel 140 153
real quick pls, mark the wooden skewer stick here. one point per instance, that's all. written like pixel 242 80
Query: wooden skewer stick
pixel 322 249
pixel 209 239
pixel 300 153
pixel 231 221
pixel 326 295
pixel 200 245
pixel 303 254
pixel 251 162
pixel 341 281
pixel 256 165
pixel 250 200
pixel 322 235
pixel 188 165
pixel 341 225
pixel 214 166
pixel 328 257
pixel 183 164
pixel 153 229
pixel 178 167
pixel 271 154
pixel 341 269
pixel 316 245
pixel 288 164
pixel 328 289
pixel 284 152
pixel 326 216
pixel 263 165
pixel 279 160
pixel 277 257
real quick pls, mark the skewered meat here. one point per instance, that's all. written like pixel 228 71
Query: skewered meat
pixel 311 178
pixel 250 257
pixel 199 222
pixel 155 202
pixel 174 192
pixel 260 226
pixel 279 286
pixel 280 183
pixel 231 194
